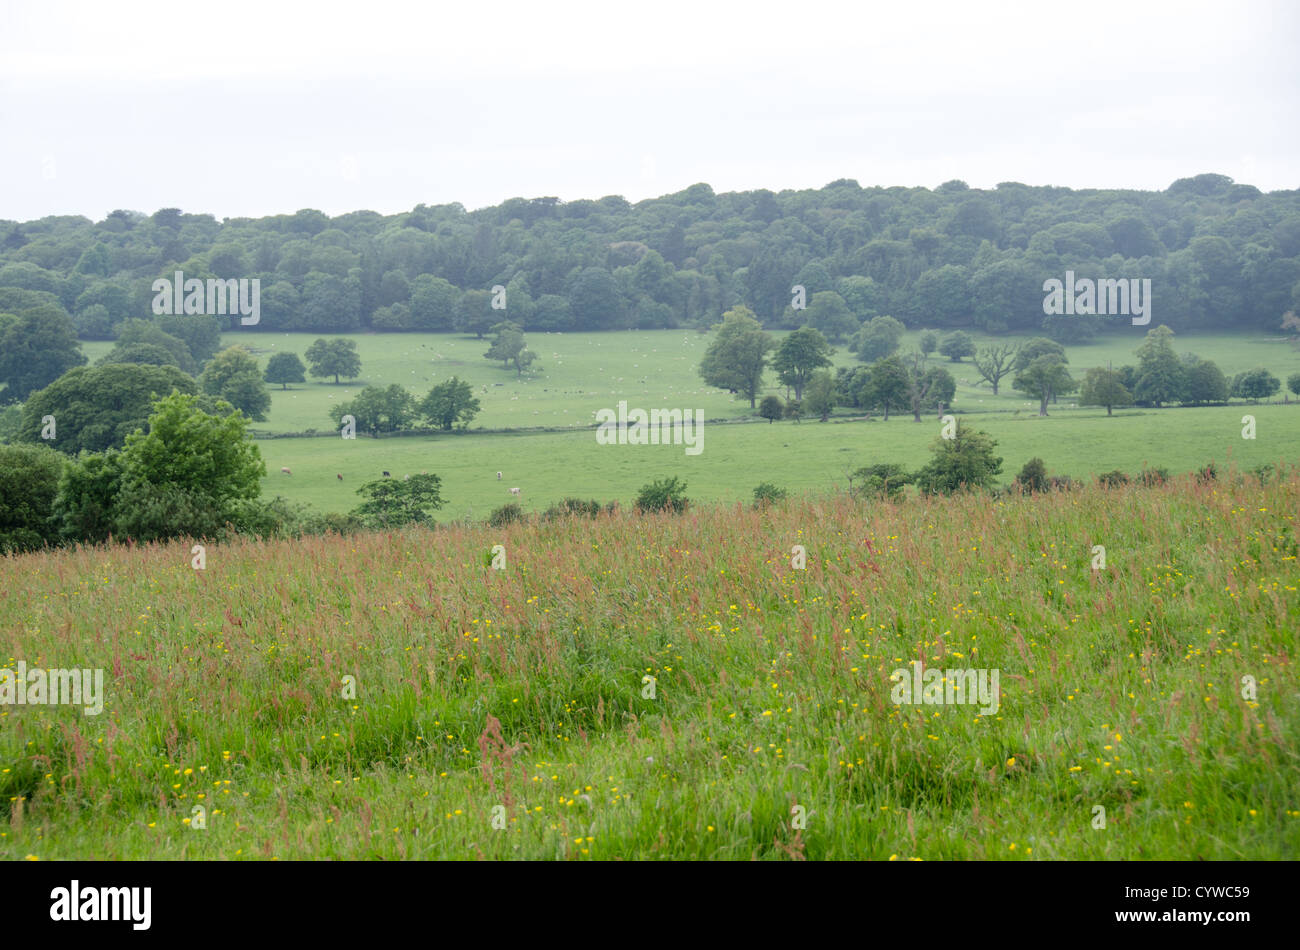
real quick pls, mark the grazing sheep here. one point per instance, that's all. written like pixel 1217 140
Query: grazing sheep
pixel 386 475
pixel 406 478
pixel 340 476
pixel 498 476
pixel 285 471
pixel 514 491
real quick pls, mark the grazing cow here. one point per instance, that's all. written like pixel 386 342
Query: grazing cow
pixel 514 491
pixel 386 475
pixel 285 471
pixel 498 476
pixel 340 476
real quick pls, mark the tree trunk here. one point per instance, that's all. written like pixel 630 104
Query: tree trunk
pixel 1108 410
pixel 1042 406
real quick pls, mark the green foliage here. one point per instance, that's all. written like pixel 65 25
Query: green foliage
pixel 767 494
pixel 233 375
pixel 890 386
pixel 663 494
pixel 377 410
pixel 819 398
pixel 285 368
pixel 1043 378
pixel 97 407
pixel 964 462
pixel 877 339
pixel 883 480
pixel 928 342
pixel 189 475
pixel 1255 384
pixel 505 515
pixel 29 481
pixel 800 354
pixel 133 332
pixel 1152 477
pixel 1104 387
pixel 337 357
pixel 830 316
pixel 1206 384
pixel 450 403
pixel 771 408
pixel 509 347
pixel 391 502
pixel 37 346
pixel 957 344
pixel 1113 479
pixel 738 354
pixel 1161 376
pixel 1293 383
pixel 144 354
pixel 1033 477
pixel 572 507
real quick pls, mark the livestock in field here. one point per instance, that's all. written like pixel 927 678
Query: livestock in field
pixel 514 491
pixel 285 471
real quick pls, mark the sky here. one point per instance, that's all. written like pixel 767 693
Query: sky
pixel 243 109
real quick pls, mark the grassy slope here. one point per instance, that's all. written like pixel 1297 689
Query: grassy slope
pixel 1120 687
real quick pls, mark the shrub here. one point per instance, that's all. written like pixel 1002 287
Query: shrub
pixel 575 507
pixel 506 514
pixel 1113 479
pixel 771 408
pixel 1207 473
pixel 1062 483
pixel 887 480
pixel 767 493
pixel 1151 477
pixel 663 494
pixel 1033 477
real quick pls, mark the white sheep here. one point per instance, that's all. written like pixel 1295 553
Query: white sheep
pixel 285 471
pixel 498 476
pixel 514 491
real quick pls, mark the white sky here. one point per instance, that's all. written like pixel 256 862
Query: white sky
pixel 250 108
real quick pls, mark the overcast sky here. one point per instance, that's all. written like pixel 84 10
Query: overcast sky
pixel 251 108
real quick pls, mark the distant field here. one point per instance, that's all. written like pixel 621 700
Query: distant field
pixel 584 372
pixel 805 456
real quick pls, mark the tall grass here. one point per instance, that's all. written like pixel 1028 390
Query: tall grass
pixel 525 688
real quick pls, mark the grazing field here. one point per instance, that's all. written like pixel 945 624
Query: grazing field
pixel 804 456
pixel 583 372
pixel 519 694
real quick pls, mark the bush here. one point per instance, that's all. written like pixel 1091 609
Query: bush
pixel 572 507
pixel 1207 473
pixel 887 480
pixel 1151 477
pixel 1062 483
pixel 767 493
pixel 663 494
pixel 1033 477
pixel 1113 479
pixel 506 514
pixel 771 408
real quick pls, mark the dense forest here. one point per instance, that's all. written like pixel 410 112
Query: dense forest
pixel 1220 255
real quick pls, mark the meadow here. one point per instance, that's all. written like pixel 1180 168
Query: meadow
pixel 583 372
pixel 507 713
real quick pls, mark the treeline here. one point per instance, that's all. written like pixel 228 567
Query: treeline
pixel 1220 255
